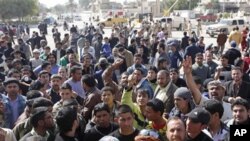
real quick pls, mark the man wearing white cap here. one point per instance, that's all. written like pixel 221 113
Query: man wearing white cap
pixel 36 60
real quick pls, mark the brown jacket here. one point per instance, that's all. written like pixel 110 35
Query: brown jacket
pixel 221 39
pixel 92 99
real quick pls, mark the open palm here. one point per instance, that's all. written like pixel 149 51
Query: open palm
pixel 187 65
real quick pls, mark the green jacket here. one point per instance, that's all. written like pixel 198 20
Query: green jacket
pixel 139 121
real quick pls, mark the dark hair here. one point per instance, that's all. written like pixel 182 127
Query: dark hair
pixel 242 102
pixel 138 55
pixel 214 106
pixel 36 85
pixel 74 69
pixel 174 70
pixel 33 94
pixel 238 62
pixel 108 88
pixel 157 105
pixel 65 119
pixel 143 91
pixel 41 102
pixel 162 46
pixel 224 56
pixel 50 54
pixel 139 69
pixel 45 64
pixel 37 115
pixel 66 86
pixel 198 54
pixel 101 107
pixel 89 80
pixel 153 68
pixel 123 109
pixel 12 71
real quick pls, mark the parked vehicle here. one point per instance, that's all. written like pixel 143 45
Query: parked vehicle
pixel 210 17
pixel 227 25
pixel 110 21
pixel 177 21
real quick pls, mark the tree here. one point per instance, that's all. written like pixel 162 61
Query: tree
pixel 181 5
pixel 18 8
pixel 58 9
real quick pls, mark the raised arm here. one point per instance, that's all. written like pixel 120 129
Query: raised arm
pixel 107 74
pixel 187 68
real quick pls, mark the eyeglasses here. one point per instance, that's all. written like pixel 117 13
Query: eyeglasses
pixel 151 133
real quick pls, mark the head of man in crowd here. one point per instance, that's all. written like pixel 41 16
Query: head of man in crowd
pixel 241 109
pixel 176 130
pixel 102 115
pixel 163 78
pixel 216 90
pixel 197 120
pixel 76 73
pixel 199 59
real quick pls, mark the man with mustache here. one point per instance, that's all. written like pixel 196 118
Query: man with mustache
pixel 53 92
pixel 215 90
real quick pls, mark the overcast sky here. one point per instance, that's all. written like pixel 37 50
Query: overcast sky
pixel 51 3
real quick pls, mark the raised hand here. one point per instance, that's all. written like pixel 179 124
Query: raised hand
pixel 187 65
pixel 117 63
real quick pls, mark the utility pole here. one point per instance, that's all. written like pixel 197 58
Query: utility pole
pixel 189 5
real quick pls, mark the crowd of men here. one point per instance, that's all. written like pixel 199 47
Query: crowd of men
pixel 123 87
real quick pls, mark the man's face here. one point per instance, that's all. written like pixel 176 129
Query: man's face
pixel 58 46
pixel 151 75
pixel 236 75
pixel 199 60
pixel 142 99
pixel 176 131
pixel 52 59
pixel 162 79
pixel 44 78
pixel 56 83
pixel 12 89
pixel 102 118
pixel 151 115
pixel 124 80
pixel 137 75
pixel 216 92
pixel 77 75
pixel 224 61
pixel 72 58
pixel 107 97
pixel 192 128
pixel 62 72
pixel 86 61
pixel 137 60
pixel 65 94
pixel 240 113
pixel 180 103
pixel 16 75
pixel 209 56
pixel 173 76
pixel 125 121
pixel 48 121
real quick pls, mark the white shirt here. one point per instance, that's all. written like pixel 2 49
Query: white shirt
pixel 227 109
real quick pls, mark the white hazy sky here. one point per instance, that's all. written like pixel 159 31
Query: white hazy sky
pixel 51 3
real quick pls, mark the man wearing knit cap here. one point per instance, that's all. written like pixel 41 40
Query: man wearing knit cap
pixel 233 53
pixel 183 103
pixel 197 120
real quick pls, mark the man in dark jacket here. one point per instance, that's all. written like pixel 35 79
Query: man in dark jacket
pixel 233 53
pixel 237 88
pixel 192 50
